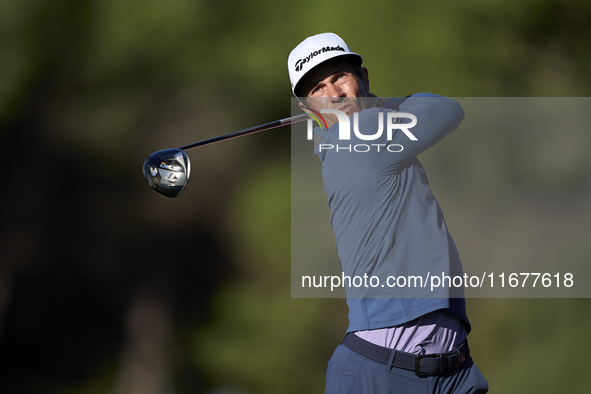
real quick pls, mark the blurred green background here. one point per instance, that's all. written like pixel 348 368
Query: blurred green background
pixel 106 287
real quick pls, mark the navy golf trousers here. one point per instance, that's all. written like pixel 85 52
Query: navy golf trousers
pixel 348 372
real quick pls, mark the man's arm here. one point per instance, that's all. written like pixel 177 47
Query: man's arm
pixel 437 117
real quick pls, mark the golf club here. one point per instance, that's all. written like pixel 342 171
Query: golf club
pixel 167 171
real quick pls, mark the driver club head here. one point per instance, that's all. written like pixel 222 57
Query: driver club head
pixel 167 171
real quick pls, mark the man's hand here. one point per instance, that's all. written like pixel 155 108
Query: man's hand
pixel 330 119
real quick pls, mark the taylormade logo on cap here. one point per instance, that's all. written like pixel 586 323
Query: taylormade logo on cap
pixel 300 63
pixel 314 51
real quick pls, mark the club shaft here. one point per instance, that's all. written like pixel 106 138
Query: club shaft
pixel 251 130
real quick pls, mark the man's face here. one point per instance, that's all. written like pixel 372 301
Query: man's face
pixel 337 86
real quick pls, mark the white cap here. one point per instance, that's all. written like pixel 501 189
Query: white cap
pixel 314 51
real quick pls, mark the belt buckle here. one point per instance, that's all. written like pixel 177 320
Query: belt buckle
pixel 426 374
pixel 460 357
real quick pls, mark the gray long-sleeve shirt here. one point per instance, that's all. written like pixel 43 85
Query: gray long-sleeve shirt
pixel 386 220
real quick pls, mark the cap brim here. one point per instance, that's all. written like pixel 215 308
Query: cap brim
pixel 350 57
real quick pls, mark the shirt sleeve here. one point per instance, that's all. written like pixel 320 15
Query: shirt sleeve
pixel 436 117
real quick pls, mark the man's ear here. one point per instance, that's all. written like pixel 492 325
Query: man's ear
pixel 365 80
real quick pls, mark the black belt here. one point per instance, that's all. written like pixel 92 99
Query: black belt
pixel 423 365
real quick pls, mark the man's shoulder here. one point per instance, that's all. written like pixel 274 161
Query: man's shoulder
pixel 396 102
pixel 425 94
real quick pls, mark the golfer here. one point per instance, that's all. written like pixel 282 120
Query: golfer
pixel 387 223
